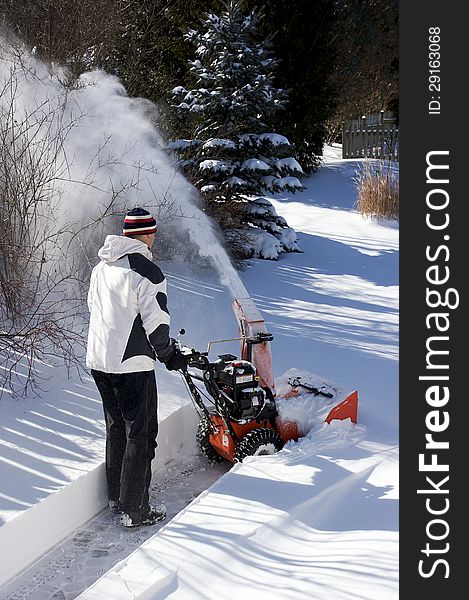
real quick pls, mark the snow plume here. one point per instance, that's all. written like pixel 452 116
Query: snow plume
pixel 101 155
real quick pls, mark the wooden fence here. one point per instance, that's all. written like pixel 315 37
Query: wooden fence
pixel 370 140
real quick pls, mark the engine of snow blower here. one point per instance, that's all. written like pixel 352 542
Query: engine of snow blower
pixel 239 383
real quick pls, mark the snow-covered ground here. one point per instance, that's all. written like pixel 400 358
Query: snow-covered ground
pixel 319 519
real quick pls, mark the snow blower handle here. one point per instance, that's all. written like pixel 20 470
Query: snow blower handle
pixel 193 357
pixel 178 339
pixel 295 382
pixel 259 338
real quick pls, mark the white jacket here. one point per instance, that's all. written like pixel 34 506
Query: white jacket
pixel 129 318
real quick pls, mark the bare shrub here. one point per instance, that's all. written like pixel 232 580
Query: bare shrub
pixel 44 252
pixel 378 191
pixel 32 281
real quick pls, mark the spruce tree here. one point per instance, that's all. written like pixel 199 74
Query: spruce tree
pixel 231 155
pixel 306 43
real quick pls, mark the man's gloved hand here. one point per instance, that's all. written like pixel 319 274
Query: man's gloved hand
pixel 177 361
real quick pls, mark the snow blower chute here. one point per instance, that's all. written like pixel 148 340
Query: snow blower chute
pixel 244 413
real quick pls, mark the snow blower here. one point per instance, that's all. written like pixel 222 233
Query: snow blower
pixel 240 411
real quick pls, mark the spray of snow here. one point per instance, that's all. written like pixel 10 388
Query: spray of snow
pixel 110 152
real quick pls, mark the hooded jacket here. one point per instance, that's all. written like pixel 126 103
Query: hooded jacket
pixel 129 318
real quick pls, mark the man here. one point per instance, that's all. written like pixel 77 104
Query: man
pixel 129 328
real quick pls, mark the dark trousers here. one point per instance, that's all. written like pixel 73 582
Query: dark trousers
pixel 130 411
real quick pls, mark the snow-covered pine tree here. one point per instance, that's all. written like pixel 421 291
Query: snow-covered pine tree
pixel 232 157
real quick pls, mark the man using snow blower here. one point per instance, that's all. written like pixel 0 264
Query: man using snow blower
pixel 129 329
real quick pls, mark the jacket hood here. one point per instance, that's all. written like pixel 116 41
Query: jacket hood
pixel 116 246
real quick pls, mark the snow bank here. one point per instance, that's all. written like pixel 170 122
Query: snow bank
pixel 141 576
pixel 37 530
pixel 259 529
pixel 43 526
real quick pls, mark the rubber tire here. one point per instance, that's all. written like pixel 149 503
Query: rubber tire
pixel 254 441
pixel 203 442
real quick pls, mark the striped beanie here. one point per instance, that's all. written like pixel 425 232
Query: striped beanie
pixel 139 221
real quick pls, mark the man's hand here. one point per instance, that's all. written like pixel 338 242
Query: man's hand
pixel 177 361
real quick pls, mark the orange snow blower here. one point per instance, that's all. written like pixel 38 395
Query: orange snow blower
pixel 240 415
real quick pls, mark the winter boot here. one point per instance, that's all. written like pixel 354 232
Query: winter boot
pixel 148 515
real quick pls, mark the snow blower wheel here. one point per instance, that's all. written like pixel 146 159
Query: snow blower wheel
pixel 202 438
pixel 258 442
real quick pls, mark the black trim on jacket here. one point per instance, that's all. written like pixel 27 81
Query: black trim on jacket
pixel 138 343
pixel 144 267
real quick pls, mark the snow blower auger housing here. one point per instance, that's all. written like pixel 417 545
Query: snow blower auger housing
pixel 241 416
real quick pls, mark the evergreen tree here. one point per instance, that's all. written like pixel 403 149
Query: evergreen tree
pixel 305 42
pixel 232 156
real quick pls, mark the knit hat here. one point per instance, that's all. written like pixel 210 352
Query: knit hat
pixel 139 221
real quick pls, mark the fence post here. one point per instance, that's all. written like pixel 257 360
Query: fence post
pixel 345 141
pixel 381 142
pixel 364 137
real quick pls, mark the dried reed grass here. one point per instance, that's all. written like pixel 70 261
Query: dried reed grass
pixel 378 192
